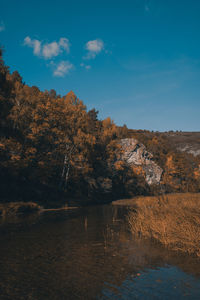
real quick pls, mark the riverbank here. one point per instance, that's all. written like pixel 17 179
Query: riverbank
pixel 172 220
pixel 24 208
pixel 14 208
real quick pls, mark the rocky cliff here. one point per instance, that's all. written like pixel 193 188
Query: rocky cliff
pixel 136 156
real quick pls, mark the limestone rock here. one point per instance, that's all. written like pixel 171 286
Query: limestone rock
pixel 135 154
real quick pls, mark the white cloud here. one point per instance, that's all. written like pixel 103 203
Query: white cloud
pixel 35 44
pixel 48 50
pixel 62 68
pixel 2 26
pixel 94 47
pixel 54 49
pixel 65 44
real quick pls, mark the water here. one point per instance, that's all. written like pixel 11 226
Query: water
pixel 89 254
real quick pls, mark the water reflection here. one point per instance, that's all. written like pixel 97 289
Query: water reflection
pixel 89 254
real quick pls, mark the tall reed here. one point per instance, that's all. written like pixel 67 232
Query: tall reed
pixel 173 220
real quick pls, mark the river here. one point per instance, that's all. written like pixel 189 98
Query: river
pixel 88 253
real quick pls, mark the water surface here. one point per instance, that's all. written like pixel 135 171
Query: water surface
pixel 88 253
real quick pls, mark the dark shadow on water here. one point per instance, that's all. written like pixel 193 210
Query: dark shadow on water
pixel 89 254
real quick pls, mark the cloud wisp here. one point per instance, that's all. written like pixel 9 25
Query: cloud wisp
pixel 87 67
pixel 35 44
pixel 63 68
pixel 2 26
pixel 48 50
pixel 93 48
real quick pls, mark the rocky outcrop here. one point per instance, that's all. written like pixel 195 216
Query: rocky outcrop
pixel 191 149
pixel 136 155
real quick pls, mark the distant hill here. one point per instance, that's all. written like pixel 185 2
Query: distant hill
pixel 183 141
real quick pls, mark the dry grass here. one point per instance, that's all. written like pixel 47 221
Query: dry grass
pixel 125 202
pixel 173 220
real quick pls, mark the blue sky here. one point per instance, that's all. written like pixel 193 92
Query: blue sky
pixel 136 61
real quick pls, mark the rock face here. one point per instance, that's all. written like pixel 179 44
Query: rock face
pixel 136 155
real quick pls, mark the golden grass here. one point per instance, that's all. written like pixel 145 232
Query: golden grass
pixel 173 220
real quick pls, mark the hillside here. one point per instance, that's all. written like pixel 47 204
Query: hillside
pixel 188 142
pixel 185 141
pixel 182 141
pixel 52 150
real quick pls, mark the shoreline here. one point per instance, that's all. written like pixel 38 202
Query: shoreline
pixel 133 201
pixel 58 209
pixel 26 208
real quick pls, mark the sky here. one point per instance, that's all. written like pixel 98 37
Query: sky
pixel 136 61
